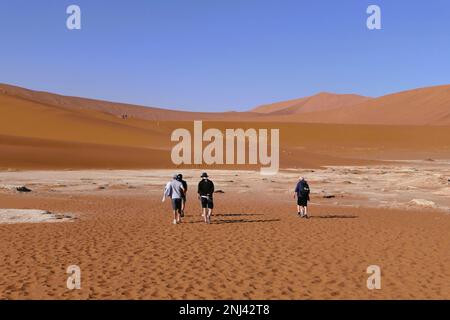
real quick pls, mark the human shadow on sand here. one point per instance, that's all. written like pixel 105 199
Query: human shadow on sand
pixel 224 221
pixel 237 214
pixel 334 216
pixel 244 221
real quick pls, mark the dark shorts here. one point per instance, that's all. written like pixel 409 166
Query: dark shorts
pixel 176 204
pixel 207 203
pixel 183 198
pixel 302 201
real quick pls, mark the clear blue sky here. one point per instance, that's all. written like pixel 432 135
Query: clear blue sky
pixel 223 54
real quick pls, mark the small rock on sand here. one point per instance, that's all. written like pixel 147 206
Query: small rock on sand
pixel 423 203
pixel 23 189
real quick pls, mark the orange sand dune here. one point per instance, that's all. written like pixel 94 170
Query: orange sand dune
pixel 301 145
pixel 340 143
pixel 321 102
pixel 426 106
pixel 36 135
pixel 57 134
pixel 113 108
pixel 30 119
pixel 32 153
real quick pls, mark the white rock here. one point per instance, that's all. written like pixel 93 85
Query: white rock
pixel 7 187
pixel 10 216
pixel 423 203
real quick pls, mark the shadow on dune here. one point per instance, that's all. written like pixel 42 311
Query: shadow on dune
pixel 335 216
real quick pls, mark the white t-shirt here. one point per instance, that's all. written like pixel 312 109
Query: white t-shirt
pixel 174 189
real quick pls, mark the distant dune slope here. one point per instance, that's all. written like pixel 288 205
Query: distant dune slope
pixel 425 106
pixel 30 153
pixel 25 118
pixel 45 131
pixel 114 108
pixel 321 102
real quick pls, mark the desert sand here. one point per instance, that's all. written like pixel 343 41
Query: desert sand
pixel 378 167
pixel 257 248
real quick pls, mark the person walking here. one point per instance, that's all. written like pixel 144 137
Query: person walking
pixel 174 189
pixel 302 193
pixel 205 194
pixel 183 197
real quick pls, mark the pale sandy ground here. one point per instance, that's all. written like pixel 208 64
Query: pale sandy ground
pixel 409 184
pixel 257 248
pixel 10 216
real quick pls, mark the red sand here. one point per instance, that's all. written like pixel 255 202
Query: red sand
pixel 257 248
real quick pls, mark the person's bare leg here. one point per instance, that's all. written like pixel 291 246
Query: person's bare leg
pixel 298 209
pixel 306 211
pixel 178 216
pixel 204 215
pixel 209 215
pixel 175 217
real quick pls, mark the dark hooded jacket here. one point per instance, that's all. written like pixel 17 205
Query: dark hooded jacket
pixel 302 189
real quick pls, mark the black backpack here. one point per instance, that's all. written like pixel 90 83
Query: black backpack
pixel 304 191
